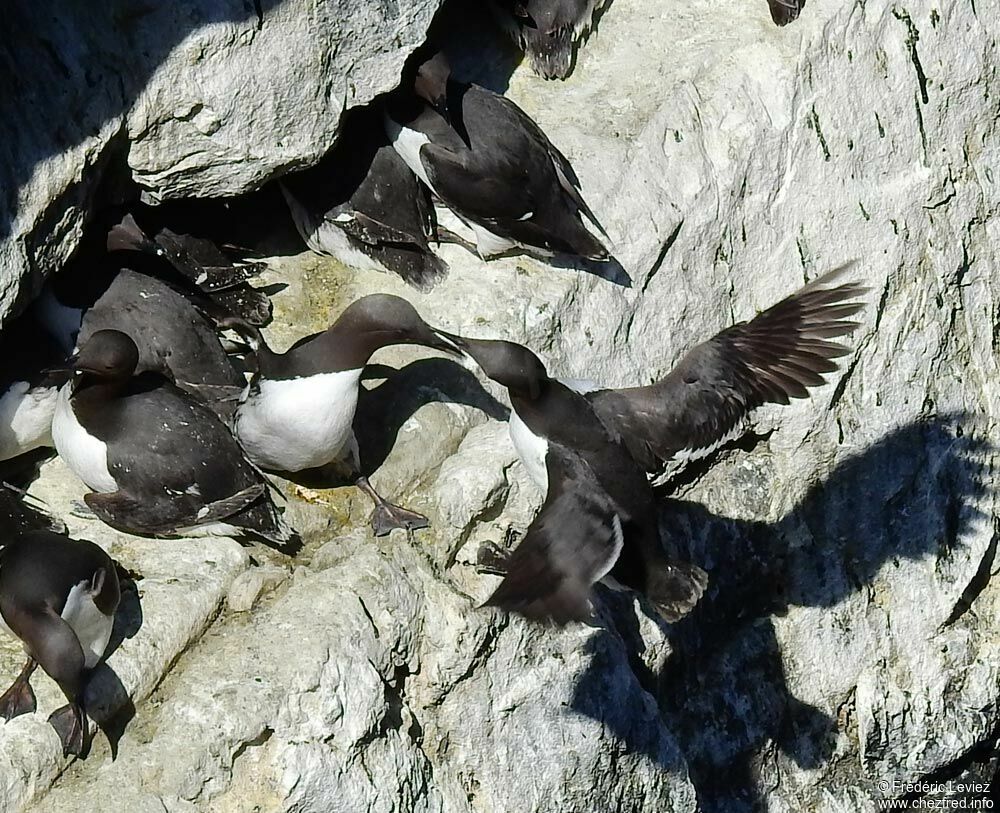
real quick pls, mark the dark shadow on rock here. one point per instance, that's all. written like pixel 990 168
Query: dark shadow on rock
pixel 479 50
pixel 383 409
pixel 107 700
pixel 68 74
pixel 723 692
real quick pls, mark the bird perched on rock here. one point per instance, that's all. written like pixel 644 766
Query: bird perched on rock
pixel 591 451
pixel 364 206
pixel 485 159
pixel 548 31
pixel 161 463
pixel 174 339
pixel 298 410
pixel 59 597
pixel 201 269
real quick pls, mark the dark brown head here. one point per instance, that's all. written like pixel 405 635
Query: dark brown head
pixel 109 356
pixel 379 320
pixel 510 364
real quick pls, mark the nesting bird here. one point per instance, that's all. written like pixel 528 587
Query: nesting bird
pixel 160 462
pixel 59 597
pixel 298 410
pixel 591 451
pixel 548 31
pixel 172 336
pixel 485 159
pixel 364 206
pixel 201 268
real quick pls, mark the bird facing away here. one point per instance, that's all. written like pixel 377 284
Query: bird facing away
pixel 161 463
pixel 297 412
pixel 59 597
pixel 364 206
pixel 173 337
pixel 548 30
pixel 592 451
pixel 200 269
pixel 487 161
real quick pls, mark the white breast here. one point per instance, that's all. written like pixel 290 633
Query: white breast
pixel 84 454
pixel 531 449
pixel 26 418
pixel 301 423
pixel 325 237
pixel 489 244
pixel 407 143
pixel 92 627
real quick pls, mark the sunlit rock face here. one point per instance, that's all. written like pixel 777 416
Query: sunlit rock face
pixel 197 98
pixel 848 640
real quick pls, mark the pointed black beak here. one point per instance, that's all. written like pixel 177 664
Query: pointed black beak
pixel 446 342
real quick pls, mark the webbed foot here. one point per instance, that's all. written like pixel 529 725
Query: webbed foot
pixel 387 517
pixel 70 724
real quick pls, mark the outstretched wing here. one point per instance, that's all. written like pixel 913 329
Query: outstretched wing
pixel 573 542
pixel 774 357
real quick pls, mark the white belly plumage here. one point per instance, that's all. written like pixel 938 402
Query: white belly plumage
pixel 92 627
pixel 326 237
pixel 299 423
pixel 86 456
pixel 531 449
pixel 26 418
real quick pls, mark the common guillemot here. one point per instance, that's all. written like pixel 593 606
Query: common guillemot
pixel 488 161
pixel 173 338
pixel 58 596
pixel 159 462
pixel 599 518
pixel 572 438
pixel 297 412
pixel 548 30
pixel 201 268
pixel 364 206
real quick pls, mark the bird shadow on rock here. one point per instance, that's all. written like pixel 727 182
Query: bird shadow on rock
pixel 385 408
pixel 107 701
pixel 723 692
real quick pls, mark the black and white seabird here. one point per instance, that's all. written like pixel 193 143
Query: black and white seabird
pixel 599 518
pixel 574 444
pixel 173 338
pixel 201 268
pixel 784 12
pixel 364 206
pixel 297 412
pixel 59 597
pixel 28 387
pixel 548 30
pixel 485 159
pixel 161 463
